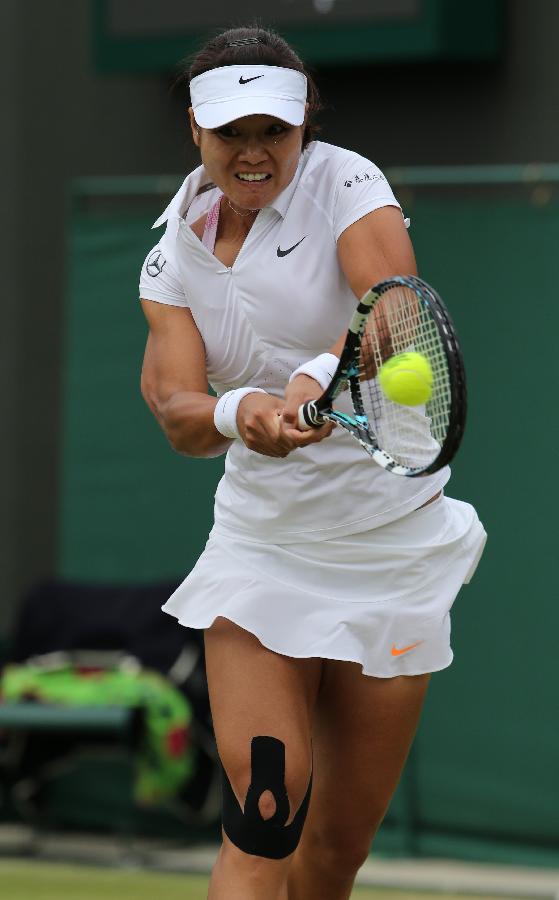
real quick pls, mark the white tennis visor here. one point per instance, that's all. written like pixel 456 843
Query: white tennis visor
pixel 231 92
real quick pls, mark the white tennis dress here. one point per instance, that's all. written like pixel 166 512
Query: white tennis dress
pixel 322 553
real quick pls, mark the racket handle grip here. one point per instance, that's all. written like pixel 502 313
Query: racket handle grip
pixel 309 417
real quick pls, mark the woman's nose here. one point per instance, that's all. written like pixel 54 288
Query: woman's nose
pixel 254 149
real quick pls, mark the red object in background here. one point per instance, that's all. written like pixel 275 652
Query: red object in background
pixel 178 741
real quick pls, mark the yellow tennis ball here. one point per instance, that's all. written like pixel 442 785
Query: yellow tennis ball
pixel 407 378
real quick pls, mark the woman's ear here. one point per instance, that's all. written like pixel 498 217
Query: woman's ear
pixel 194 127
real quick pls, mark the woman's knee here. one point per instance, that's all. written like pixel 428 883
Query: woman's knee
pixel 266 793
pixel 339 851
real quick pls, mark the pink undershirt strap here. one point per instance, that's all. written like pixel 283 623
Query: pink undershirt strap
pixel 210 228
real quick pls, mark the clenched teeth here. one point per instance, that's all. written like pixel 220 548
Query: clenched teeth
pixel 253 176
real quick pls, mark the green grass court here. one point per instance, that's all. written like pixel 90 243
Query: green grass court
pixel 25 879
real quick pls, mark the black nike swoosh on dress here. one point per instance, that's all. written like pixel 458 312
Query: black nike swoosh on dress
pixel 285 252
pixel 246 80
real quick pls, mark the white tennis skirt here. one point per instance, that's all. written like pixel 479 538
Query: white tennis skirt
pixel 380 598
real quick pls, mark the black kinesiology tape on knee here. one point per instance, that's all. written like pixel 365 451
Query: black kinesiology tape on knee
pixel 248 830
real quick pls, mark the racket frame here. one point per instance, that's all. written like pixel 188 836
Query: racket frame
pixel 315 412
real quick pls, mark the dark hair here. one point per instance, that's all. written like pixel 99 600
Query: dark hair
pixel 255 46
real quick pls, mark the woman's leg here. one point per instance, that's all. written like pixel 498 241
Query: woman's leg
pixel 262 705
pixel 363 730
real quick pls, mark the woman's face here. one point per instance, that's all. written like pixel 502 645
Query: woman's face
pixel 256 145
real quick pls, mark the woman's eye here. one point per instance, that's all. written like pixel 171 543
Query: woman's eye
pixel 227 131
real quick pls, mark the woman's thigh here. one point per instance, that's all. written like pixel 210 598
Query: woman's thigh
pixel 363 729
pixel 255 692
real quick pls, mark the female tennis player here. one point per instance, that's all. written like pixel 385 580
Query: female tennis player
pixel 325 586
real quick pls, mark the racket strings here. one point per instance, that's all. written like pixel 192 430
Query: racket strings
pixel 401 321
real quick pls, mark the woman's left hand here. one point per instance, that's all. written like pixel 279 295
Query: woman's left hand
pixel 298 392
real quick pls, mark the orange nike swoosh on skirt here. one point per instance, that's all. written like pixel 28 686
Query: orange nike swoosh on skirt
pixel 398 651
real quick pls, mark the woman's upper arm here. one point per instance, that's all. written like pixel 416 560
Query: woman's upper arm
pixel 175 358
pixel 375 247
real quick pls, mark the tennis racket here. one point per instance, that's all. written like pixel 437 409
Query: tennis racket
pixel 400 315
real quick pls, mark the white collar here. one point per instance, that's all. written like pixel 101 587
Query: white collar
pixel 186 194
pixel 282 201
pixel 194 184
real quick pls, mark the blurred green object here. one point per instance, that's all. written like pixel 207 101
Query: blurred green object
pixel 164 759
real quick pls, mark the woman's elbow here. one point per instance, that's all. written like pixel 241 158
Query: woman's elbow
pixel 186 422
pixel 157 407
pixel 147 390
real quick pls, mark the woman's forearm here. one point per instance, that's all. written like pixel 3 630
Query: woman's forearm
pixel 337 348
pixel 187 418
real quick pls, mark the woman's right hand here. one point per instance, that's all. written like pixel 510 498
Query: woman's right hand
pixel 259 424
pixel 259 420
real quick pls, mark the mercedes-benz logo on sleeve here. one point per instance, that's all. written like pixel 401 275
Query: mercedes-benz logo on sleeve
pixel 155 264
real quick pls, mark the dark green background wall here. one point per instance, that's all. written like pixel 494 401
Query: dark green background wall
pixel 483 780
pixel 131 509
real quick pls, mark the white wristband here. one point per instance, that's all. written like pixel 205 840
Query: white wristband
pixel 321 368
pixel 225 413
